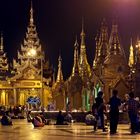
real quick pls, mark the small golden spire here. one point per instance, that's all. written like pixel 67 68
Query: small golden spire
pixel 3 62
pixel 131 55
pixel 59 73
pixel 75 69
pixel 1 42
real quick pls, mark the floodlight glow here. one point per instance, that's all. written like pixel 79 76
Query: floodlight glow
pixel 31 52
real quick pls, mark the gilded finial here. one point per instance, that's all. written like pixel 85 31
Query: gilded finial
pixel 76 42
pixel 82 33
pixel 103 22
pixel 131 41
pixel 31 14
pixel 59 59
pixel 82 24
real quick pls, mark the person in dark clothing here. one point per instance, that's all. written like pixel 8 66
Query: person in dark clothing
pixel 60 119
pixel 100 108
pixel 132 106
pixel 114 103
pixel 6 120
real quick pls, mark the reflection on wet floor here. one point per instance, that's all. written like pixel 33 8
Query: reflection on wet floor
pixel 22 130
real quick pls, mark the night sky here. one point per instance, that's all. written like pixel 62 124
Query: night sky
pixel 59 21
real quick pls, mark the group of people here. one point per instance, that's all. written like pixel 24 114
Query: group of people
pixel 131 105
pixel 15 112
pixel 39 120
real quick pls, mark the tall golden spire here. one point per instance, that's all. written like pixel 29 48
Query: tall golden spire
pixel 84 67
pixel 31 50
pixel 131 55
pixel 59 72
pixel 75 69
pixel 31 42
pixel 114 41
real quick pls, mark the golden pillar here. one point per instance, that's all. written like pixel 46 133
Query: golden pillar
pixel 21 99
pixel 6 99
pixel 3 97
pixel 46 96
pixel 15 97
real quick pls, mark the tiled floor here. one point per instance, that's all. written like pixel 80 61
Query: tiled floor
pixel 21 130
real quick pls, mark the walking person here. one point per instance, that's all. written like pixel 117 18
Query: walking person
pixel 132 106
pixel 114 103
pixel 100 108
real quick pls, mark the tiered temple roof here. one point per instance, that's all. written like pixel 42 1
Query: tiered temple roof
pixel 31 45
pixel 31 54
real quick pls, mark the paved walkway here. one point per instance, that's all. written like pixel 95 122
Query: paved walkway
pixel 21 130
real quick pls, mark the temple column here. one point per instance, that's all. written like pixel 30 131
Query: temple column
pixel 15 96
pixel 6 98
pixel 21 99
pixel 41 99
pixel 0 97
pixel 91 98
pixel 64 101
pixel 87 100
pixel 83 99
pixel 3 97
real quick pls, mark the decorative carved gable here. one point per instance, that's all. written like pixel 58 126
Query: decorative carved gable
pixel 29 73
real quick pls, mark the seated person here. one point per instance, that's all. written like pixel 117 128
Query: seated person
pixel 21 115
pixel 37 121
pixel 44 120
pixel 29 117
pixel 91 120
pixel 60 119
pixel 6 120
pixel 68 117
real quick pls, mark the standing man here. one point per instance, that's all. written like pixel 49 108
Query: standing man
pixel 114 103
pixel 100 108
pixel 132 106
